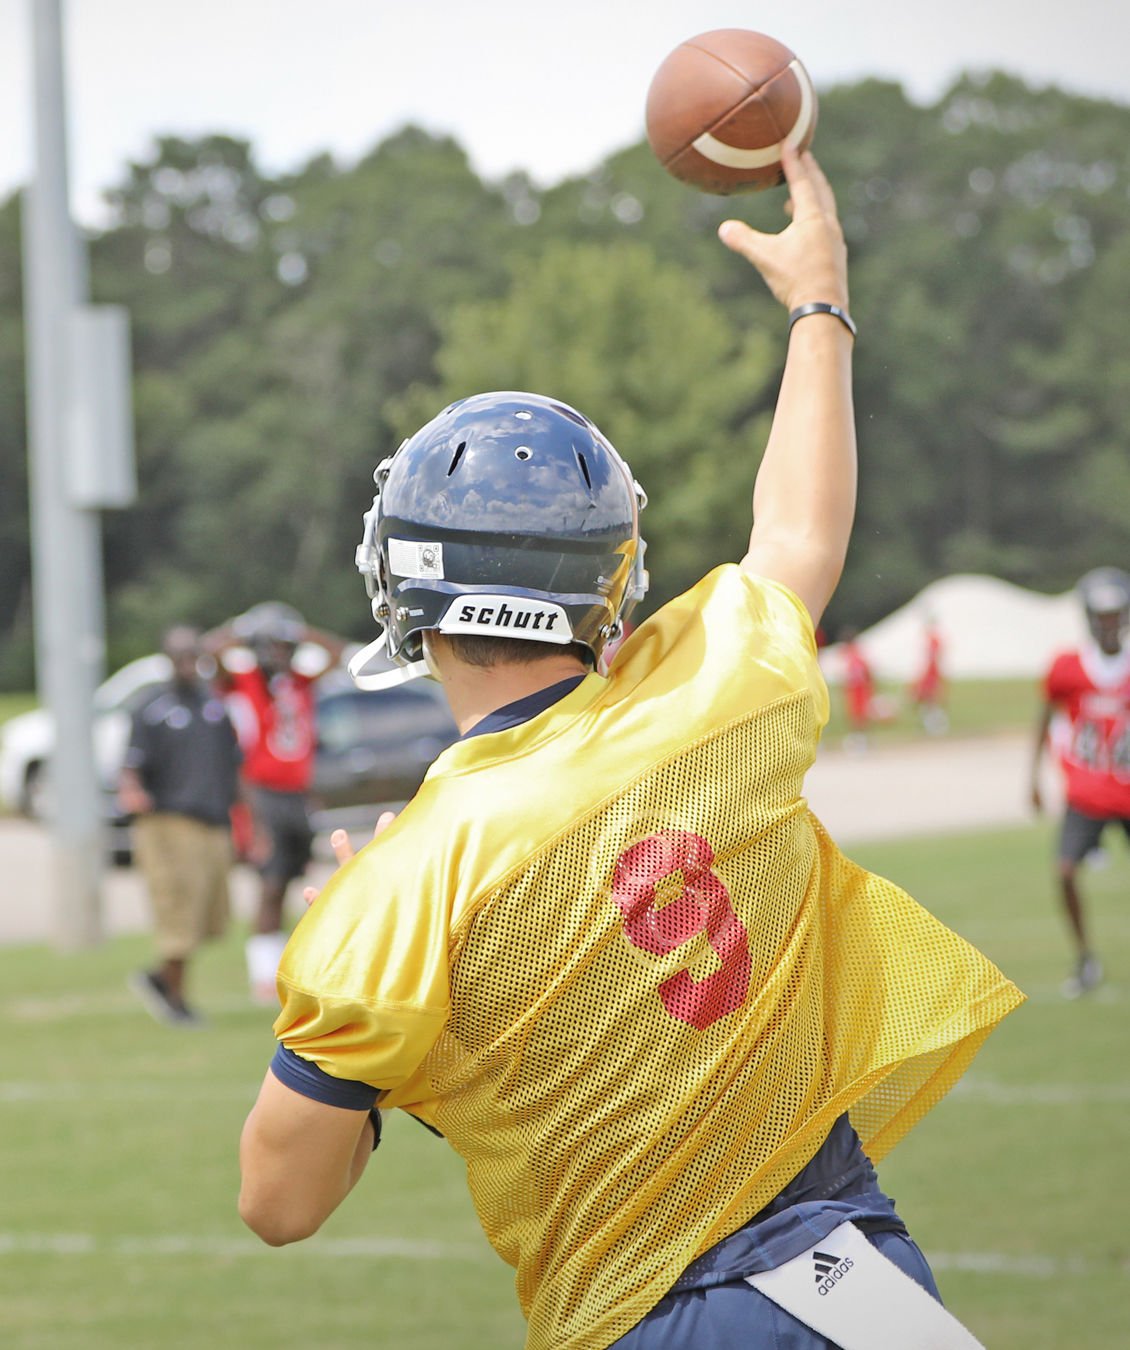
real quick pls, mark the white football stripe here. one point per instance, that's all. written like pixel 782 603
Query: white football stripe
pixel 732 157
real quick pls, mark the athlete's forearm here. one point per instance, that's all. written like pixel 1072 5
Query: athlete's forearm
pixel 804 496
pixel 1040 746
pixel 298 1160
pixel 805 492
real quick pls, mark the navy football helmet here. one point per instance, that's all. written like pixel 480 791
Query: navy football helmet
pixel 510 515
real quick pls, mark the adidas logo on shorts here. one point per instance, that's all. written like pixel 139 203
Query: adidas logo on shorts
pixel 829 1270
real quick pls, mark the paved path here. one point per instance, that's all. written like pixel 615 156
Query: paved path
pixel 927 787
pixel 922 787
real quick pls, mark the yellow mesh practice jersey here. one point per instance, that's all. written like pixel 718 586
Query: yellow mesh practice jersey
pixel 614 959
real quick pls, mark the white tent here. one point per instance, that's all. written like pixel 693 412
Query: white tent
pixel 989 629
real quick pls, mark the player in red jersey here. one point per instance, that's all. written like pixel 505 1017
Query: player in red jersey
pixel 928 691
pixel 1086 721
pixel 859 691
pixel 272 706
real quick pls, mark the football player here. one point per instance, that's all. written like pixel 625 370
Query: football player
pixel 606 951
pixel 1086 720
pixel 272 705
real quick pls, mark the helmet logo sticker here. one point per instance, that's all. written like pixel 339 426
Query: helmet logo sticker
pixel 507 616
pixel 408 558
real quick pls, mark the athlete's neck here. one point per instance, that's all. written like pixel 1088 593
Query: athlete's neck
pixel 474 692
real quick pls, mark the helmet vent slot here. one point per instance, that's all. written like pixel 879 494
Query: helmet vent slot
pixel 584 470
pixel 456 458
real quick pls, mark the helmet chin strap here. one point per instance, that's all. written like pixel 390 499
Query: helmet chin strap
pixel 385 679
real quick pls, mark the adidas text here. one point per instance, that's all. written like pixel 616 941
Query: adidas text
pixel 829 1270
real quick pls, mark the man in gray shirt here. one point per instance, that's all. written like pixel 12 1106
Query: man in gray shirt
pixel 179 782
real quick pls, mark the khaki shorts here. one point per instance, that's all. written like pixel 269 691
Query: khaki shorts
pixel 185 864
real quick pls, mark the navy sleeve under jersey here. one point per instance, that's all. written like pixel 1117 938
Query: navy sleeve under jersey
pixel 303 1077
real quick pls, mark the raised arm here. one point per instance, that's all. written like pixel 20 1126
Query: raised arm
pixel 334 645
pixel 804 496
pixel 217 642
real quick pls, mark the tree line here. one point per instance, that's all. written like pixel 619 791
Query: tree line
pixel 289 330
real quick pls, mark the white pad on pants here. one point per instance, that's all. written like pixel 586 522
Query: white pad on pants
pixel 846 1290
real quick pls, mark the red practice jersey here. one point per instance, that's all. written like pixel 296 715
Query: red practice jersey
pixel 274 719
pixel 928 686
pixel 859 685
pixel 1091 731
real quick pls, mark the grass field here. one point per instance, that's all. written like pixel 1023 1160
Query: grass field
pixel 13 704
pixel 974 708
pixel 118 1172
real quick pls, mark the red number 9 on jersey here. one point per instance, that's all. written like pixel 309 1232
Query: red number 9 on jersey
pixel 703 906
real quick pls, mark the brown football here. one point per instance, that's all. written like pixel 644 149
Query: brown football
pixel 722 104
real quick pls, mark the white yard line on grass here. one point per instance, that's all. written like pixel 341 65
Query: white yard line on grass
pixel 112 1003
pixel 1106 994
pixel 178 1245
pixel 16 1092
pixel 1028 1267
pixel 1039 1094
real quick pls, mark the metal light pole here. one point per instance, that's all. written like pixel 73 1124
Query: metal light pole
pixel 67 590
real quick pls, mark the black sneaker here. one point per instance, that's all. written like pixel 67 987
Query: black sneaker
pixel 159 1003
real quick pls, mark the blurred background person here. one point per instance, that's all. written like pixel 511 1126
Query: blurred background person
pixel 928 690
pixel 1086 721
pixel 272 704
pixel 859 691
pixel 179 782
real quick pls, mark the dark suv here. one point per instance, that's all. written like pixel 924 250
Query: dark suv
pixel 373 748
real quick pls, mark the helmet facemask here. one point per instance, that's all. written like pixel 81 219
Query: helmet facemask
pixel 369 564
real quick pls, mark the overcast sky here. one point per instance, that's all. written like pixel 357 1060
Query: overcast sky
pixel 546 88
